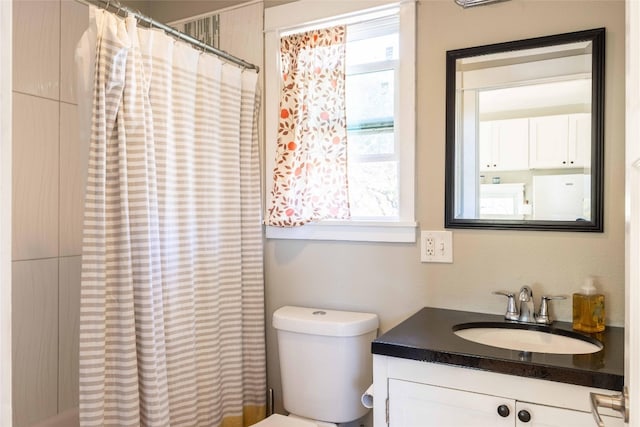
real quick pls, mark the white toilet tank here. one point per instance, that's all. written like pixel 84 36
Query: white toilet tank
pixel 325 361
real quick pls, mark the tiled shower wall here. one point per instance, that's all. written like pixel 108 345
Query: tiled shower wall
pixel 48 179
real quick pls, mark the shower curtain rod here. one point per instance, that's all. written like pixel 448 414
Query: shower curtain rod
pixel 106 4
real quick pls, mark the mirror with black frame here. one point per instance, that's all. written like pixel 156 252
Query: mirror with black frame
pixel 525 134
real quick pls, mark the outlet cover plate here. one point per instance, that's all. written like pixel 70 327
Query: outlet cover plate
pixel 436 246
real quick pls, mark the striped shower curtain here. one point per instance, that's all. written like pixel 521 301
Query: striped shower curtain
pixel 172 313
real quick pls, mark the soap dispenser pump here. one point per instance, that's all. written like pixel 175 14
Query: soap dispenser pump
pixel 588 308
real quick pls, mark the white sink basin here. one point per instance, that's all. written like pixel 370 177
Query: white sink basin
pixel 524 337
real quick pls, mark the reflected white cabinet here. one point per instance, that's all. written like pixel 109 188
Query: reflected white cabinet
pixel 504 145
pixel 409 393
pixel 561 141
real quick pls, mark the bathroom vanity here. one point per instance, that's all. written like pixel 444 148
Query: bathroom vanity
pixel 425 375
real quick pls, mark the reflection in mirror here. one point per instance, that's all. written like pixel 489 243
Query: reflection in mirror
pixel 524 134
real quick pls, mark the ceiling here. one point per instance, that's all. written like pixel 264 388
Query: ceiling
pixel 175 10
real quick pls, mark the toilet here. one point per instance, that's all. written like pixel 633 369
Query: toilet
pixel 325 365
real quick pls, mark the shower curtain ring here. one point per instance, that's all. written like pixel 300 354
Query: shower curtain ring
pixel 118 7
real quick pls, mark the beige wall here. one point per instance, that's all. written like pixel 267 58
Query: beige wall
pixel 553 262
pixel 389 279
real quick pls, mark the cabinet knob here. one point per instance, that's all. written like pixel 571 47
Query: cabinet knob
pixel 503 411
pixel 524 416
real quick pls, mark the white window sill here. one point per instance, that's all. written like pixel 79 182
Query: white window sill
pixel 355 231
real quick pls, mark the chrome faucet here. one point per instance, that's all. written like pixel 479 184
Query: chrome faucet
pixel 527 313
pixel 527 309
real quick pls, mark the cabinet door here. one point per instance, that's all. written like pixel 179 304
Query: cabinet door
pixel 419 405
pixel 504 145
pixel 579 149
pixel 486 143
pixel 512 144
pixel 531 415
pixel 548 141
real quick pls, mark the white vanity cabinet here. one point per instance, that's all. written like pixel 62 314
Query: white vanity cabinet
pixel 411 393
pixel 415 404
pixel 504 145
pixel 560 141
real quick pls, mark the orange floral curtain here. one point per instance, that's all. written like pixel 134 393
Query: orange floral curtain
pixel 310 176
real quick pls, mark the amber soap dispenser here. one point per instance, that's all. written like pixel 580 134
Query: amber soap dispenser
pixel 588 308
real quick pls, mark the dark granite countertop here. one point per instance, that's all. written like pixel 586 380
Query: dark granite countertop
pixel 427 336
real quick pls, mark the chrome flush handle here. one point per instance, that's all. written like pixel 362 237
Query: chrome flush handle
pixel 617 402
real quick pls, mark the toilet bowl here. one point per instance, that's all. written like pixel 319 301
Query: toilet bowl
pixel 332 349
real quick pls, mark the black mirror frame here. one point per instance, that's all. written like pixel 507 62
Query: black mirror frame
pixel 597 37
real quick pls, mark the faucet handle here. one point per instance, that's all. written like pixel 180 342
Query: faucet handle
pixel 543 315
pixel 512 311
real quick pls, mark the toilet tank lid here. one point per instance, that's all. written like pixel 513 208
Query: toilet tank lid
pixel 319 321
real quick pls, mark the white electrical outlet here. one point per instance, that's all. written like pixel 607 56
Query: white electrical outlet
pixel 436 246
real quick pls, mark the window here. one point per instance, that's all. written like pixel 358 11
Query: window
pixel 373 162
pixel 380 94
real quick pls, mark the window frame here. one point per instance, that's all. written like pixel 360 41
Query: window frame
pixel 303 15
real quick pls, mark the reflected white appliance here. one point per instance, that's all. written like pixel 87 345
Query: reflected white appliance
pixel 502 201
pixel 562 197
